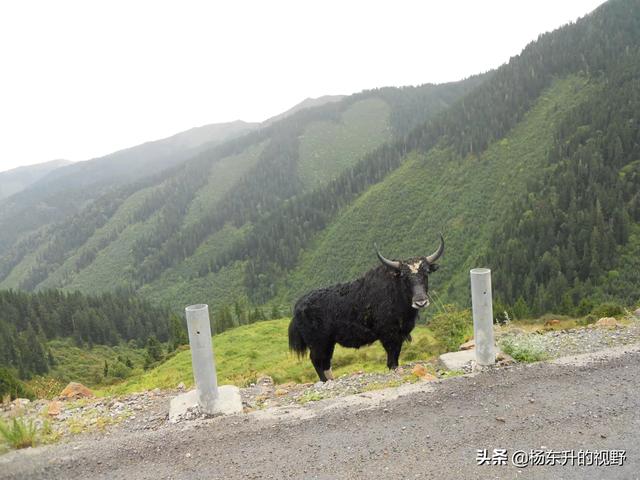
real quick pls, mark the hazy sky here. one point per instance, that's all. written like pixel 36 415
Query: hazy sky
pixel 82 79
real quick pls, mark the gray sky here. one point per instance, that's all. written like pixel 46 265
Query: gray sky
pixel 81 79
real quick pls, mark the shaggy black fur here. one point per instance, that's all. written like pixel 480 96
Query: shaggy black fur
pixel 377 306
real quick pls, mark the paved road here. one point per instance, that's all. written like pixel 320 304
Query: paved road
pixel 421 431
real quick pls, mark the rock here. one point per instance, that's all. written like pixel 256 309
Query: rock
pixel 181 386
pixel 516 331
pixel 552 323
pixel 504 359
pixel 419 370
pixel 607 322
pixel 468 345
pixel 637 313
pixel 265 381
pixel 76 390
pixel 281 391
pixel 55 407
pixel 20 402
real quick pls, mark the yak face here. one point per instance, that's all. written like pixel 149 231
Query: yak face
pixel 414 274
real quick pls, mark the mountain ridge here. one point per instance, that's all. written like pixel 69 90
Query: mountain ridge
pixel 17 179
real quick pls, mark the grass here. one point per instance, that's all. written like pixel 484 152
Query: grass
pixel 84 365
pixel 19 433
pixel 245 353
pixel 327 148
pixel 525 348
pixel 224 174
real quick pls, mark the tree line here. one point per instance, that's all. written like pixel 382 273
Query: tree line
pixel 29 320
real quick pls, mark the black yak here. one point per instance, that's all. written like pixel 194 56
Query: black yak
pixel 381 305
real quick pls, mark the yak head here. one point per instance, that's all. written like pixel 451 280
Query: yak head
pixel 414 273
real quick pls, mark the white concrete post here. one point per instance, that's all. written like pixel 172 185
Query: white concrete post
pixel 482 316
pixel 204 366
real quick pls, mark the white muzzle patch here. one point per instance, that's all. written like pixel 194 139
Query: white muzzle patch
pixel 420 304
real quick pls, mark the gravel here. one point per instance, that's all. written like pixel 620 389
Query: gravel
pixel 427 430
pixel 149 410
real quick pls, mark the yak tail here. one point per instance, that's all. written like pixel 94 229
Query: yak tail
pixel 296 342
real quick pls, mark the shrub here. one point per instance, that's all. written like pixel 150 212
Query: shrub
pixel 585 306
pixel 452 327
pixel 120 370
pixel 19 434
pixel 524 348
pixel 12 387
pixel 45 387
pixel 588 320
pixel 607 310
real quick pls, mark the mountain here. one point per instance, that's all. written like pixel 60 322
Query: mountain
pixel 534 174
pixel 65 191
pixel 174 223
pixel 17 179
pixel 531 169
pixel 306 103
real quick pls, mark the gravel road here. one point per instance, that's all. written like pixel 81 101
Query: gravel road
pixel 424 430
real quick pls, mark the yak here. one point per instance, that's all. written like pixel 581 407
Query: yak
pixel 381 305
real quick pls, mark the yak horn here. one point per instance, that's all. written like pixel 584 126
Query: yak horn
pixel 438 253
pixel 389 263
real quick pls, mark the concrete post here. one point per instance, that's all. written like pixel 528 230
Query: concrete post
pixel 482 316
pixel 204 367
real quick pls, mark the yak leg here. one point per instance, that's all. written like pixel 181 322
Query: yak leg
pixel 321 360
pixel 393 354
pixel 318 364
pixel 327 361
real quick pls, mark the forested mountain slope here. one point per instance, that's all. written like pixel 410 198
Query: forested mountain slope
pixel 560 116
pixel 29 320
pixel 65 191
pixel 177 223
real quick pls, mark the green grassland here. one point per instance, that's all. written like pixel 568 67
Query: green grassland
pixel 462 197
pixel 223 175
pixel 327 148
pixel 86 365
pixel 247 352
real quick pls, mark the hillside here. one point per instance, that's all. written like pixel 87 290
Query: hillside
pixel 145 235
pixel 240 363
pixel 464 197
pixel 17 179
pixel 563 106
pixel 30 324
pixel 64 192
pixel 530 169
